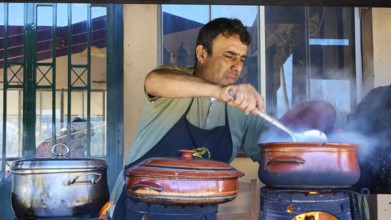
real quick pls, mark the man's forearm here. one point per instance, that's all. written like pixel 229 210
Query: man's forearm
pixel 177 84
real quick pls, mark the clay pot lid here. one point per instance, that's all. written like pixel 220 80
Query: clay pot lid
pixel 186 161
pixel 185 165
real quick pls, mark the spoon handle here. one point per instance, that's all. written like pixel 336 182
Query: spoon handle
pixel 276 123
pixel 268 118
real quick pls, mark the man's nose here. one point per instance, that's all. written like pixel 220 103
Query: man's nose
pixel 237 65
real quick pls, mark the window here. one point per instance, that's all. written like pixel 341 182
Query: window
pixel 63 83
pixel 310 56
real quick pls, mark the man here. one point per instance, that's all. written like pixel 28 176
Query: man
pixel 199 108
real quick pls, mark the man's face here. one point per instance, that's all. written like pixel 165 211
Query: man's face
pixel 225 63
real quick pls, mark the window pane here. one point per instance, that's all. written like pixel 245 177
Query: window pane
pixel 99 82
pixel 332 58
pixel 11 66
pixel 181 24
pixel 79 31
pixel 14 123
pixel 98 124
pixel 309 56
pixel 45 39
pixel 196 13
pixel 15 32
pixel 247 14
pixel 98 49
pixel 2 5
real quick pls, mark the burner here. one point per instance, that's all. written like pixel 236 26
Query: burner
pixel 63 218
pixel 290 203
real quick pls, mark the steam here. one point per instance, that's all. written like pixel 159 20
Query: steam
pixel 367 144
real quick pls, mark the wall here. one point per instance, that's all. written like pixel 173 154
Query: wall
pixel 376 47
pixel 367 49
pixel 139 58
pixel 381 21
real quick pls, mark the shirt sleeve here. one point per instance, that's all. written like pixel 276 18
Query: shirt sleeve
pixel 185 69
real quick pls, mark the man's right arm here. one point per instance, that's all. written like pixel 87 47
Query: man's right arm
pixel 173 83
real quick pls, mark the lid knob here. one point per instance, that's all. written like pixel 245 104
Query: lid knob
pixel 187 154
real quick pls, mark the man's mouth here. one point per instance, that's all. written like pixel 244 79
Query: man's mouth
pixel 230 79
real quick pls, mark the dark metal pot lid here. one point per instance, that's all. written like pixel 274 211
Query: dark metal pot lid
pixel 59 163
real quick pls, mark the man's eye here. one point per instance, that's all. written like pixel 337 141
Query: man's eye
pixel 229 56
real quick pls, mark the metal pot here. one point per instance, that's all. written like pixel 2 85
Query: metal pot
pixel 48 187
pixel 182 181
pixel 309 165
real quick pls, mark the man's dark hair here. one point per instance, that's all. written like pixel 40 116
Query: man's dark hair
pixel 224 26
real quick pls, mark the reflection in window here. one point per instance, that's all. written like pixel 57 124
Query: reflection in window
pixel 78 133
pixel 309 56
pixel 180 32
pixel 15 52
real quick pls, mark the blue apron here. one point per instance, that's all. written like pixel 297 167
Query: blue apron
pixel 183 135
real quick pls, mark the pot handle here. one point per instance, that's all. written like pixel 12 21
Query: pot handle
pixel 146 184
pixel 94 179
pixel 57 153
pixel 286 159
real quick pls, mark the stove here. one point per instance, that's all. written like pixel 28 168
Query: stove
pixel 278 203
pixel 64 218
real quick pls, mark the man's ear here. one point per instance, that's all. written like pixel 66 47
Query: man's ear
pixel 201 53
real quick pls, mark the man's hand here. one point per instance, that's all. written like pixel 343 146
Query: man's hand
pixel 243 96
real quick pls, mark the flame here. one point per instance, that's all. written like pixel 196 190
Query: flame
pixel 315 216
pixel 289 208
pixel 104 210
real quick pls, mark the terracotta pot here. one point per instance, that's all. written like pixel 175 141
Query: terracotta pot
pixel 182 181
pixel 309 165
